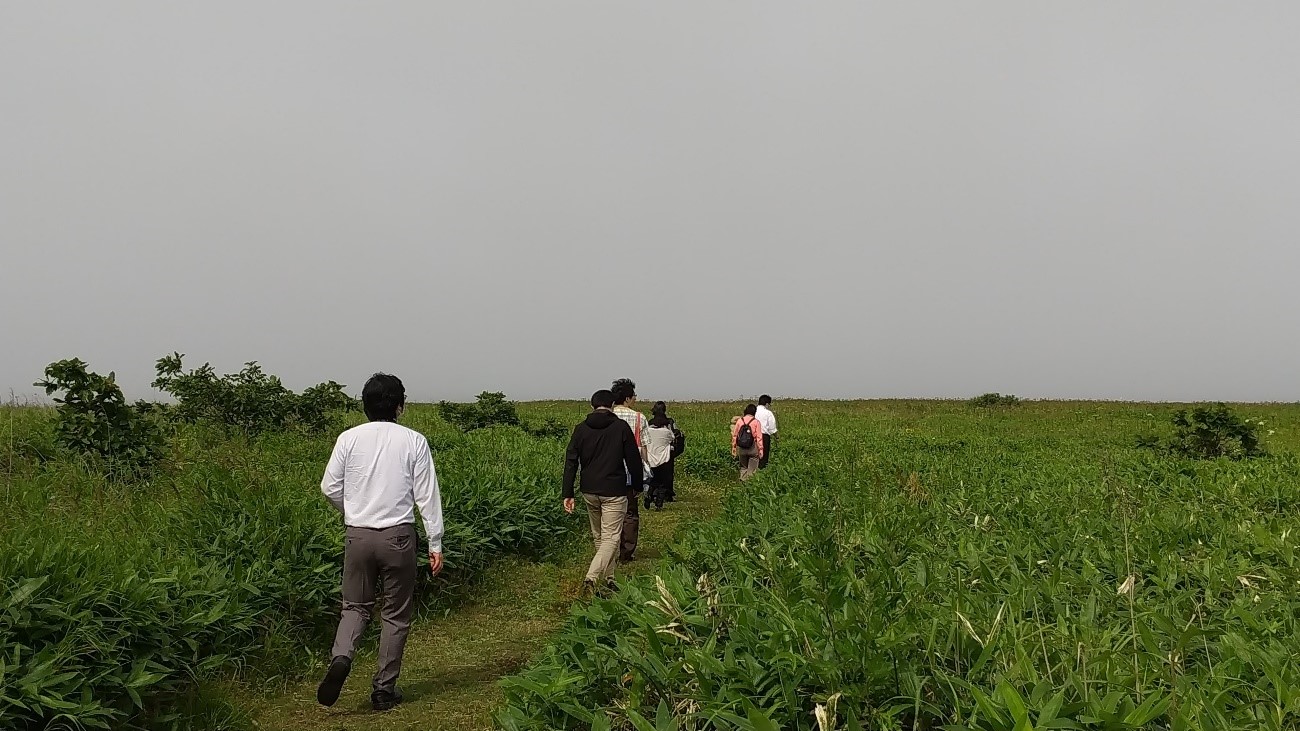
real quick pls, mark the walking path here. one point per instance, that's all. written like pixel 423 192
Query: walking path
pixel 453 663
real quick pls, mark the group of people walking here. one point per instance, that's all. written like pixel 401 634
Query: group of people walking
pixel 380 473
pixel 753 434
pixel 621 455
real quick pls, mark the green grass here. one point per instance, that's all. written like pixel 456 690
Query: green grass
pixel 929 562
pixel 933 565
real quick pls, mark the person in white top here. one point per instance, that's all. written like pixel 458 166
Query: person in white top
pixel 767 420
pixel 379 474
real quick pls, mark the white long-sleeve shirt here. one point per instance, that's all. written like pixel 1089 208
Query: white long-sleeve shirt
pixel 767 419
pixel 379 474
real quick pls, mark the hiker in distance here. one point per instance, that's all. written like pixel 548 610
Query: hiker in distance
pixel 379 474
pixel 664 442
pixel 747 441
pixel 625 408
pixel 768 421
pixel 604 449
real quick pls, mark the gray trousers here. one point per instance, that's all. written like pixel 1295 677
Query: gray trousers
pixel 371 555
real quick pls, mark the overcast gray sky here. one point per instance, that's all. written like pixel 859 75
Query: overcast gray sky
pixel 831 199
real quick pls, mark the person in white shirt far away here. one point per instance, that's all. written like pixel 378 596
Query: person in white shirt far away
pixel 767 420
pixel 379 474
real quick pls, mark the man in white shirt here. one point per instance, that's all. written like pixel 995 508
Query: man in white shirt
pixel 767 420
pixel 377 477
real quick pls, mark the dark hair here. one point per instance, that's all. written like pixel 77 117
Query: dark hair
pixel 623 389
pixel 659 415
pixel 751 410
pixel 764 400
pixel 602 399
pixel 382 396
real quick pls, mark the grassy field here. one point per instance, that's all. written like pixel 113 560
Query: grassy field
pixel 903 564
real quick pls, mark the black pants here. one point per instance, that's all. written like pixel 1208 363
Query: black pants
pixel 661 485
pixel 631 528
pixel 767 451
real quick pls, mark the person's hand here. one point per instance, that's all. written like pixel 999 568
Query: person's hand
pixel 568 505
pixel 435 562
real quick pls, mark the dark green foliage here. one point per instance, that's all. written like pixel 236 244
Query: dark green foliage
pixel 250 401
pixel 1210 432
pixel 95 420
pixel 110 618
pixel 993 400
pixel 490 409
pixel 548 428
pixel 996 595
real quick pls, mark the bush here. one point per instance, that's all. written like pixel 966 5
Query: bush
pixel 111 627
pixel 249 401
pixel 95 420
pixel 993 400
pixel 491 409
pixel 1210 432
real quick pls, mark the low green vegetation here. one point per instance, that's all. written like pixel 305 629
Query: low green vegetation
pixel 915 565
pixel 126 591
pixel 901 565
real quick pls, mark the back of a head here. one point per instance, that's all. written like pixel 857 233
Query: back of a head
pixel 602 399
pixel 623 389
pixel 382 397
pixel 659 414
pixel 751 410
pixel 764 400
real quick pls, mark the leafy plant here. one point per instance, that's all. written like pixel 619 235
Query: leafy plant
pixel 491 408
pixel 1210 432
pixel 250 401
pixel 94 419
pixel 110 620
pixel 993 400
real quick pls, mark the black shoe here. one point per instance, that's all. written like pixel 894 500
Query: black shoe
pixel 647 501
pixel 383 700
pixel 328 690
pixel 671 499
pixel 588 589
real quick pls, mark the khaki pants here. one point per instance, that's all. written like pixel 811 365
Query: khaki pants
pixel 371 555
pixel 748 462
pixel 605 514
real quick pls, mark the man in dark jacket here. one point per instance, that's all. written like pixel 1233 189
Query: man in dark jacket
pixel 605 448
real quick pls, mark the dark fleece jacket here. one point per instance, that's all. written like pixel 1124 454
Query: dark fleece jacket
pixel 605 447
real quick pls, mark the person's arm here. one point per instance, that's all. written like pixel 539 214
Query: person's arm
pixel 632 460
pixel 774 427
pixel 735 430
pixel 644 444
pixel 331 485
pixel 429 502
pixel 758 436
pixel 570 470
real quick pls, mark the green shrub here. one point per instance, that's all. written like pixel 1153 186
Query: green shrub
pixel 95 420
pixel 112 618
pixel 1208 432
pixel 993 400
pixel 490 409
pixel 250 401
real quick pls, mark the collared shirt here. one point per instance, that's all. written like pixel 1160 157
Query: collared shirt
pixel 767 419
pixel 379 474
pixel 637 421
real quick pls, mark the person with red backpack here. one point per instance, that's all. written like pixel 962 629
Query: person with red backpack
pixel 747 441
